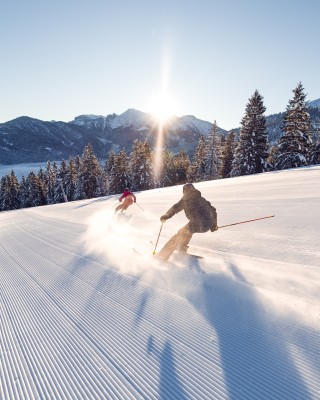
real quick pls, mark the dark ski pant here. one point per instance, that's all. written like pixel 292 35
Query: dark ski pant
pixel 179 241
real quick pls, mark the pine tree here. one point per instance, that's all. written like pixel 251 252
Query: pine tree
pixel 252 150
pixel 315 152
pixel 273 155
pixel 295 145
pixel 14 192
pixel 33 190
pixel 71 180
pixel 43 186
pixel 89 173
pixel 22 192
pixel 141 169
pixel 228 155
pixel 120 178
pixel 5 201
pixel 108 170
pixel 80 193
pixel 315 156
pixel 197 169
pixel 61 182
pixel 182 165
pixel 213 153
pixel 110 162
pixel 168 170
pixel 50 178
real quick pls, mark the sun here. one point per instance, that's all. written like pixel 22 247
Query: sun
pixel 162 109
pixel 162 112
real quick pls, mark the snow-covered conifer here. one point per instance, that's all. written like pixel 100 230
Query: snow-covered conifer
pixel 43 186
pixel 50 177
pixel 80 193
pixel 33 190
pixel 168 174
pixel 61 180
pixel 119 178
pixel 89 172
pixel 109 162
pixel 141 168
pixel 228 155
pixel 9 193
pixel 213 154
pixel 197 171
pixel 5 201
pixel 315 154
pixel 71 180
pixel 295 144
pixel 22 192
pixel 182 165
pixel 252 150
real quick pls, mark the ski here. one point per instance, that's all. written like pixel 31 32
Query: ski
pixel 191 255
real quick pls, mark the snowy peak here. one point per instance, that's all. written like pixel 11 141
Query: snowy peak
pixel 190 121
pixel 104 133
pixel 131 117
pixel 314 104
pixel 140 121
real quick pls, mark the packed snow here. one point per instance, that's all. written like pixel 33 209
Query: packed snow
pixel 83 316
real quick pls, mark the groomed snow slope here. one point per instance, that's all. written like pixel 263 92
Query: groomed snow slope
pixel 83 317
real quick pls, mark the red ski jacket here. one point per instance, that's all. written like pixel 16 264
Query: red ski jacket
pixel 128 197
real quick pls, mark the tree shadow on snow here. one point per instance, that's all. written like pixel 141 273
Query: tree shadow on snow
pixel 94 200
pixel 255 361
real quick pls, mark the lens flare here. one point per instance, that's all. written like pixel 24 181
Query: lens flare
pixel 162 107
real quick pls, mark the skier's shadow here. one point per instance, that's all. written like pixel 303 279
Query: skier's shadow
pixel 169 384
pixel 254 356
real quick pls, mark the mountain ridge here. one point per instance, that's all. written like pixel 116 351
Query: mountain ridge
pixel 26 139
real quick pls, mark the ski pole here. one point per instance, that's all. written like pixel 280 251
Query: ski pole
pixel 139 206
pixel 244 222
pixel 154 251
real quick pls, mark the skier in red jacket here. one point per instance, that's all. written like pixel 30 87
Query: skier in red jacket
pixel 128 198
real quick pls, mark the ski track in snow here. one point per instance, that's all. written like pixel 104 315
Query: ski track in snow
pixel 83 317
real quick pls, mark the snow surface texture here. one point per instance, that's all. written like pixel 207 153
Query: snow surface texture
pixel 84 317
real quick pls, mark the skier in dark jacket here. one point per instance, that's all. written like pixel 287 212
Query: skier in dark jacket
pixel 202 217
pixel 128 198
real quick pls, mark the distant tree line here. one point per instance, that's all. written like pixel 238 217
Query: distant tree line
pixel 215 157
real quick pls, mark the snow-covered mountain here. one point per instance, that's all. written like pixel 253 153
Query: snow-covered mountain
pixel 82 316
pixel 314 104
pixel 26 139
pixel 139 120
pixel 274 122
pixel 31 140
pixel 130 118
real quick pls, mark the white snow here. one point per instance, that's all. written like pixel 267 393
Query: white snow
pixel 314 103
pixel 84 317
pixel 188 121
pixel 130 117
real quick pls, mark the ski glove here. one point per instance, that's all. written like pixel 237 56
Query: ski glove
pixel 214 228
pixel 163 218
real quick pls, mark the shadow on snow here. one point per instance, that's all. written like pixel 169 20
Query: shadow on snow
pixel 254 354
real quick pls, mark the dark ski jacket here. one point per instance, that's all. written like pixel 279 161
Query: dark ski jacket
pixel 201 214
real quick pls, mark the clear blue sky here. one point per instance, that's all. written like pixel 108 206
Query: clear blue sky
pixel 63 58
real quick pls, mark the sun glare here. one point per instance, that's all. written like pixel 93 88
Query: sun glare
pixel 162 109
